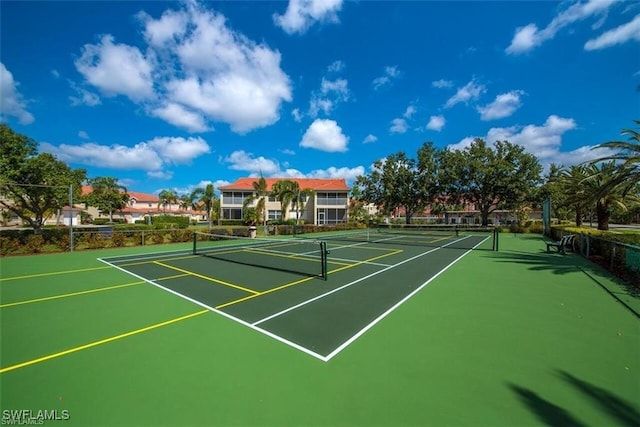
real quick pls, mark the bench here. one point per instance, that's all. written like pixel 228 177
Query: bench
pixel 562 244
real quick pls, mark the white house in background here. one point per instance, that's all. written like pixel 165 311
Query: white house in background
pixel 328 203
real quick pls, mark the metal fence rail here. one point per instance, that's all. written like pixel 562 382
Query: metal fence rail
pixel 623 260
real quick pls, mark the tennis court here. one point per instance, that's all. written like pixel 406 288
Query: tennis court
pixel 368 328
pixel 316 294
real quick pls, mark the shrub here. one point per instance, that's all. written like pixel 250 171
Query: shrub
pixel 167 221
pixel 34 243
pixel 118 240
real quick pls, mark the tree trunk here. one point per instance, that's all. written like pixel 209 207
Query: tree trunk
pixel 602 213
pixel 485 217
pixel 578 217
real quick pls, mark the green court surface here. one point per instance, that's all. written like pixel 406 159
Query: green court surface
pixel 403 332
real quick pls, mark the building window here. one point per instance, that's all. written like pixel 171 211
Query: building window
pixel 332 199
pixel 331 216
pixel 274 214
pixel 235 197
pixel 231 213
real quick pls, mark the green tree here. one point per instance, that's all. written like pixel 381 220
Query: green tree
pixel 107 195
pixel 207 196
pixel 628 156
pixel 617 195
pixel 502 176
pixel 260 194
pixel 283 191
pixel 553 188
pixel 34 186
pixel 299 199
pixel 402 182
pixel 572 183
pixel 167 197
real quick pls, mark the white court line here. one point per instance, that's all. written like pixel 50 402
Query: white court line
pixel 255 326
pixel 222 313
pixel 398 304
pixel 280 313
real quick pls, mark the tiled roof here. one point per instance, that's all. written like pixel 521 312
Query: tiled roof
pixel 140 197
pixel 304 183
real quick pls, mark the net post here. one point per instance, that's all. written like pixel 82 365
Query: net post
pixel 195 238
pixel 496 235
pixel 323 258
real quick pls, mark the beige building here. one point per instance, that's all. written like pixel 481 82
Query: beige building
pixel 328 202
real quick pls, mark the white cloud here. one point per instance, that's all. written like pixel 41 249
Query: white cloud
pixel 544 141
pixel 243 161
pixel 83 96
pixel 12 103
pixel 116 69
pixel 331 172
pixel 390 73
pixel 409 112
pixel 288 152
pixel 179 150
pixel 469 92
pixel 325 135
pixel 180 116
pixel 152 156
pixel 618 35
pixel 336 67
pixel 160 174
pixel 436 123
pixel 55 74
pixel 504 105
pixel 332 92
pixel 369 138
pixel 398 126
pixel 140 156
pixel 442 84
pixel 297 115
pixel 195 69
pixel 84 135
pixel 529 36
pixel 302 14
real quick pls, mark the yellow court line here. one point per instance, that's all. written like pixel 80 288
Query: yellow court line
pixel 73 294
pixel 4 279
pixel 211 279
pixel 96 343
pixel 152 260
pixel 306 279
pixel 283 255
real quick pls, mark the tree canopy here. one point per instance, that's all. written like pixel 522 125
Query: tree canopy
pixel 107 195
pixel 402 182
pixel 498 176
pixel 34 186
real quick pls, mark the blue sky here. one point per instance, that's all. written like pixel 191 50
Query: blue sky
pixel 175 95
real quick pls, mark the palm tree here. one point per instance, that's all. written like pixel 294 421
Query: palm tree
pixel 572 183
pixel 629 156
pixel 167 197
pixel 606 176
pixel 299 199
pixel 207 197
pixel 107 195
pixel 283 192
pixel 188 201
pixel 260 193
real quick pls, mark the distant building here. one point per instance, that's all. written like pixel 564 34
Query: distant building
pixel 327 204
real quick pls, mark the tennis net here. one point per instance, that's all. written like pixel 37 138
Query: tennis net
pixel 301 256
pixel 434 233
